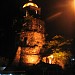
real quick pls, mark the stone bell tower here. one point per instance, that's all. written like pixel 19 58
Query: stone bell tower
pixel 31 37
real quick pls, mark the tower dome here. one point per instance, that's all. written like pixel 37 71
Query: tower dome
pixel 31 9
pixel 30 3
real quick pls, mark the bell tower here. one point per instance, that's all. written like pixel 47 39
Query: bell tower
pixel 31 9
pixel 32 37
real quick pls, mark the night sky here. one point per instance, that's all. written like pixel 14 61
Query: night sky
pixel 57 14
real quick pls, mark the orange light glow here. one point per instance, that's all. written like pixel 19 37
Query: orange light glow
pixel 29 50
pixel 51 56
pixel 31 59
pixel 33 40
pixel 30 4
pixel 74 3
pixel 49 59
pixel 74 6
pixel 56 58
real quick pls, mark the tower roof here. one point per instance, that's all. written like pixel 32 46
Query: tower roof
pixel 31 8
pixel 30 3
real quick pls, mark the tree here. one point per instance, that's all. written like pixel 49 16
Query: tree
pixel 58 50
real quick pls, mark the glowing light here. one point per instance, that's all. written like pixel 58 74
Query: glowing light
pixel 57 58
pixel 34 50
pixel 51 56
pixel 74 6
pixel 10 74
pixel 31 59
pixel 2 68
pixel 35 40
pixel 50 61
pixel 30 4
pixel 74 3
pixel 72 59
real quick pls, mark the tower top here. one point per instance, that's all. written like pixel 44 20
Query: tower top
pixel 30 3
pixel 31 8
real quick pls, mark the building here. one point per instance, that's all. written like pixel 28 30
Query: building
pixel 32 36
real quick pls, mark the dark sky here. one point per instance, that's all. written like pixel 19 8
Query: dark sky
pixel 57 14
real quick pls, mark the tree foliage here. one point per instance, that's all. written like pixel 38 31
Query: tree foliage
pixel 60 48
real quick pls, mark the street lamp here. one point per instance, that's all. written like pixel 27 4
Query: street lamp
pixel 74 6
pixel 74 3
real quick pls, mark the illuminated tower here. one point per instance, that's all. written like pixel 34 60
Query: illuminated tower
pixel 32 36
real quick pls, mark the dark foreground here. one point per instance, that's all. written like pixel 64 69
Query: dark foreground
pixel 40 69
